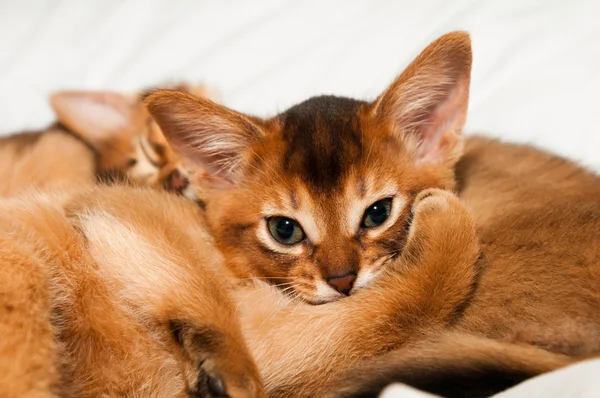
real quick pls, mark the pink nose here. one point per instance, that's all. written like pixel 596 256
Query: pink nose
pixel 342 284
pixel 176 181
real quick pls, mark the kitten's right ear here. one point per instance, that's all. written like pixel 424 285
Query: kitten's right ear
pixel 426 105
pixel 95 116
pixel 211 136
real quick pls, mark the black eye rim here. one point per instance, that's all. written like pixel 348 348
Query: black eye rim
pixel 270 219
pixel 388 201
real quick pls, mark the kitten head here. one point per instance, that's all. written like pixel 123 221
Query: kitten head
pixel 127 141
pixel 317 198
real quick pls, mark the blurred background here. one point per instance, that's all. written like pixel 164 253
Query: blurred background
pixel 536 75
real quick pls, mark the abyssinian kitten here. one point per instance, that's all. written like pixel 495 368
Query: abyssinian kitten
pixel 99 135
pixel 317 201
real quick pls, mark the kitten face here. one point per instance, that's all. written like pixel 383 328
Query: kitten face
pixel 129 145
pixel 317 199
pixel 325 201
pixel 139 154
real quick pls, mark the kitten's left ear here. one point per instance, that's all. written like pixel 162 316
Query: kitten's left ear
pixel 209 135
pixel 426 105
pixel 95 116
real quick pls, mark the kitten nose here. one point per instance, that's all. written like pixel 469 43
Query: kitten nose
pixel 176 181
pixel 342 284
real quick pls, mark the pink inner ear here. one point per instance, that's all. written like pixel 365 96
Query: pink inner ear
pixel 445 121
pixel 213 163
pixel 95 116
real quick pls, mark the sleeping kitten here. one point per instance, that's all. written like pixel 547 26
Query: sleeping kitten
pixel 108 135
pixel 316 200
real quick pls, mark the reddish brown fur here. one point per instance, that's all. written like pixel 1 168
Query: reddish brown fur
pixel 430 283
pixel 123 268
pixel 318 157
pixel 449 364
pixel 539 232
pixel 539 281
pixel 105 309
pixel 31 161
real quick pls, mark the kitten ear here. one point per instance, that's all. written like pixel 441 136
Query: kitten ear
pixel 211 136
pixel 427 104
pixel 94 116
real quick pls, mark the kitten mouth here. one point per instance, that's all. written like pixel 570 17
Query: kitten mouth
pixel 319 301
pixel 295 295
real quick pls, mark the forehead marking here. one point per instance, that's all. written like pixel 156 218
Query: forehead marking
pixel 361 187
pixel 294 198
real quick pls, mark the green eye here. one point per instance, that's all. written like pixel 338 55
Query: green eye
pixel 285 230
pixel 377 213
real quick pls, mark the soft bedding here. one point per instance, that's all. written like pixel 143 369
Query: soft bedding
pixel 536 75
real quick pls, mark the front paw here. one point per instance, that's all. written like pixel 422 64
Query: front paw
pixel 206 382
pixel 214 364
pixel 441 225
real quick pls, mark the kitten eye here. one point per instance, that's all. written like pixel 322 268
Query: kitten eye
pixel 285 230
pixel 131 162
pixel 377 213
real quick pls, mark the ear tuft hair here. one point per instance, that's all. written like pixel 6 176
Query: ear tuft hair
pixel 95 116
pixel 210 135
pixel 426 105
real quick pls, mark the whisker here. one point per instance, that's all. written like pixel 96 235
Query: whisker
pixel 288 288
pixel 254 291
pixel 281 307
pixel 265 277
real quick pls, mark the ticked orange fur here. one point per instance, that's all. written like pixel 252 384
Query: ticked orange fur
pixel 130 301
pixel 110 296
pixel 316 171
pixel 293 198
pixel 331 167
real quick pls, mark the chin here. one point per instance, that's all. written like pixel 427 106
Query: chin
pixel 312 300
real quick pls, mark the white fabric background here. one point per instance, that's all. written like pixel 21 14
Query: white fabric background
pixel 535 79
pixel 536 75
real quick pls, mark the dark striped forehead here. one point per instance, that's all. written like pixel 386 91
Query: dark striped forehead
pixel 323 140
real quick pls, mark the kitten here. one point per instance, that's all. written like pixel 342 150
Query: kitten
pixel 318 196
pixel 108 135
pixel 105 293
pixel 316 200
pixel 30 161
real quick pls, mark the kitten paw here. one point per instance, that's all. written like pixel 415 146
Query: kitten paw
pixel 212 367
pixel 441 224
pixel 208 382
pixel 433 199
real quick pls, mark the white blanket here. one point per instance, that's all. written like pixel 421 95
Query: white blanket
pixel 536 75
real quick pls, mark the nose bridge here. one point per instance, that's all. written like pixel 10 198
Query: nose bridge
pixel 338 258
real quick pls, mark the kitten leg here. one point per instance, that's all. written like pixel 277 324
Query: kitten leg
pixel 209 364
pixel 175 290
pixel 28 349
pixel 451 364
